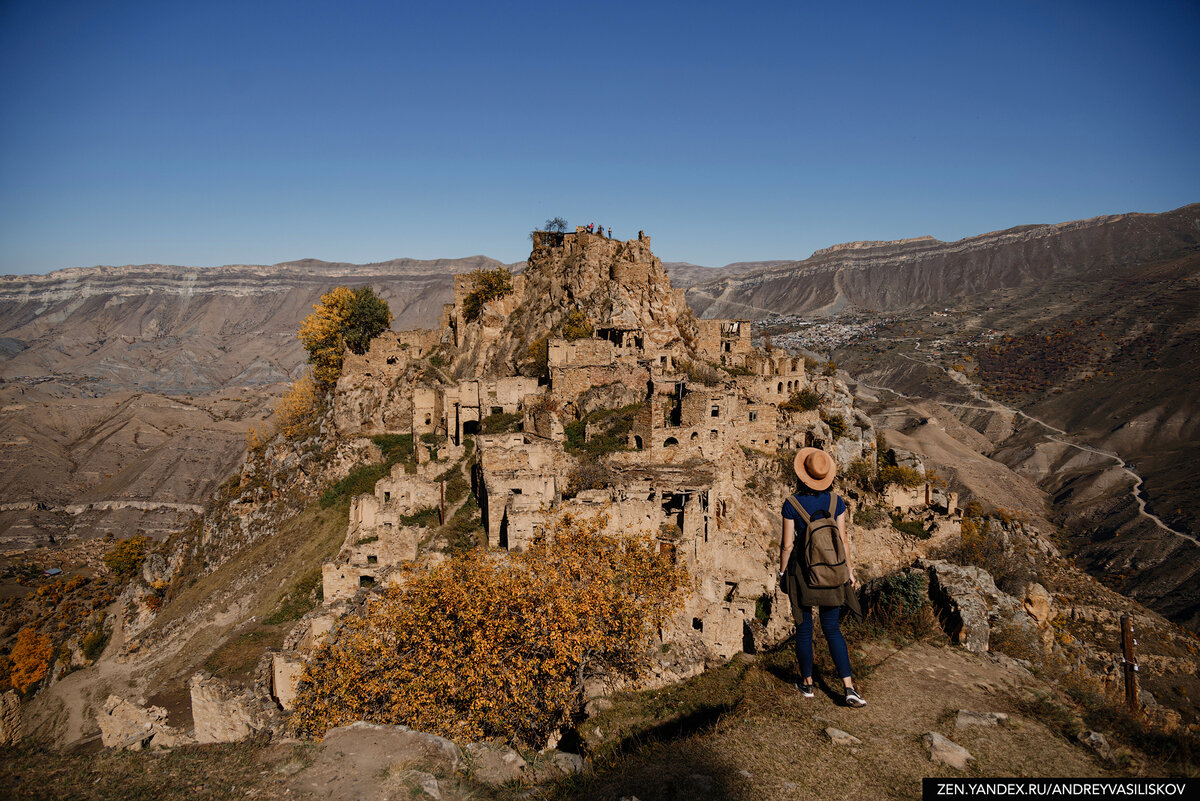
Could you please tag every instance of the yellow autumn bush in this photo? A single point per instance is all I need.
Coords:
(30, 658)
(487, 645)
(297, 412)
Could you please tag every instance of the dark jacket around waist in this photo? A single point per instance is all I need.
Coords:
(798, 591)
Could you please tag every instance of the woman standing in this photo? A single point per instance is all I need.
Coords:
(819, 572)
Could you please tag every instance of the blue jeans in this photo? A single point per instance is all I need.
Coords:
(831, 618)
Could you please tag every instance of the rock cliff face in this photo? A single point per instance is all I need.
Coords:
(914, 272)
(621, 283)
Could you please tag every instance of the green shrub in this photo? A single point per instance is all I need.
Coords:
(465, 529)
(536, 360)
(913, 528)
(762, 608)
(837, 424)
(426, 518)
(396, 448)
(614, 426)
(860, 472)
(803, 401)
(501, 423)
(95, 641)
(869, 516)
(830, 369)
(456, 485)
(360, 480)
(899, 604)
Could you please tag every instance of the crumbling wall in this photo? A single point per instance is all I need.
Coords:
(222, 714)
(398, 493)
(131, 726)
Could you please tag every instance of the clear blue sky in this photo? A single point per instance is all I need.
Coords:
(212, 132)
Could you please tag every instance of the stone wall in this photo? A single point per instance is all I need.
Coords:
(589, 352)
(285, 677)
(222, 714)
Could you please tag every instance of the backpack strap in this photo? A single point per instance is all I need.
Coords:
(833, 499)
(798, 508)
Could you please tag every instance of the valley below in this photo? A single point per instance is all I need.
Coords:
(1086, 388)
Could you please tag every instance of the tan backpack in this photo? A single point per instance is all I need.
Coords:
(823, 552)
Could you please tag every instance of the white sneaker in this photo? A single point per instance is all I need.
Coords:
(853, 698)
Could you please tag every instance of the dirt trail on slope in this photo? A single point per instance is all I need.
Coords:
(774, 745)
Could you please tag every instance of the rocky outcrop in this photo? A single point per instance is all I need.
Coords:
(495, 763)
(969, 600)
(621, 285)
(374, 762)
(12, 726)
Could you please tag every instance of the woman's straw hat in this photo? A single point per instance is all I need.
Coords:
(815, 468)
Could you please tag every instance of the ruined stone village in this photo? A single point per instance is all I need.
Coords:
(589, 342)
(702, 413)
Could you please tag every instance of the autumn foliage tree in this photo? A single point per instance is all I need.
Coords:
(345, 318)
(481, 646)
(30, 658)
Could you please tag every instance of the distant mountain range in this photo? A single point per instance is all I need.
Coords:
(909, 273)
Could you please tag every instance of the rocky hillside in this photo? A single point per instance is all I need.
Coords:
(885, 276)
(127, 391)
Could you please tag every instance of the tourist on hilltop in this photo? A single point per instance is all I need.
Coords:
(590, 227)
(610, 232)
(819, 572)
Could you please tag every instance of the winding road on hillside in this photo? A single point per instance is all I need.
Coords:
(993, 405)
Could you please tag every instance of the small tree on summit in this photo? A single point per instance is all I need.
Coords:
(555, 225)
(344, 318)
(369, 317)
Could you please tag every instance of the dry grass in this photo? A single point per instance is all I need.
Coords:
(195, 773)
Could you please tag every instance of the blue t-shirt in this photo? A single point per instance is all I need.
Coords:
(812, 502)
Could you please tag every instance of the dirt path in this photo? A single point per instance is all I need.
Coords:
(774, 744)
